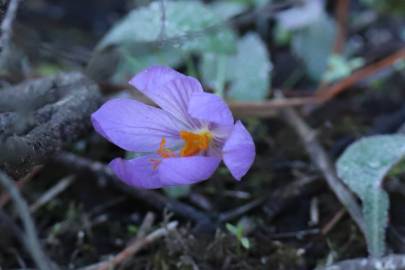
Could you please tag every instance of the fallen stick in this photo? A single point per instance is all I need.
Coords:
(39, 117)
(54, 191)
(152, 198)
(133, 248)
(392, 262)
(30, 239)
(320, 158)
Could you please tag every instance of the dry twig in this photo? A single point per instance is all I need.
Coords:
(328, 92)
(4, 198)
(54, 191)
(392, 262)
(320, 158)
(38, 117)
(151, 197)
(30, 239)
(342, 10)
(7, 24)
(134, 248)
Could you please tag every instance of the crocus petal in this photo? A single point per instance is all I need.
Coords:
(150, 80)
(169, 89)
(187, 170)
(175, 96)
(135, 126)
(239, 151)
(138, 172)
(211, 108)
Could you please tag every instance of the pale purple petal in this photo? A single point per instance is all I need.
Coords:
(211, 108)
(239, 151)
(187, 170)
(174, 98)
(169, 89)
(135, 126)
(150, 80)
(138, 172)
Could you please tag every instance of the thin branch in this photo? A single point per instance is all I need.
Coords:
(320, 158)
(271, 108)
(151, 197)
(392, 262)
(342, 10)
(328, 92)
(332, 223)
(54, 191)
(162, 33)
(268, 108)
(39, 117)
(7, 24)
(4, 198)
(241, 210)
(133, 248)
(146, 225)
(30, 239)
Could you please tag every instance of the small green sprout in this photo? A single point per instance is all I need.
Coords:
(237, 231)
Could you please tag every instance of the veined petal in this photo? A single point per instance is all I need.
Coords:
(175, 96)
(138, 172)
(187, 170)
(211, 108)
(239, 151)
(150, 80)
(135, 126)
(169, 89)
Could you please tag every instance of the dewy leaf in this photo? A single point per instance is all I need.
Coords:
(249, 70)
(188, 24)
(362, 167)
(313, 44)
(228, 9)
(130, 63)
(140, 39)
(301, 16)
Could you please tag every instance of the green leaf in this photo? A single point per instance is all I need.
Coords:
(313, 44)
(363, 167)
(245, 242)
(375, 210)
(232, 229)
(130, 62)
(340, 67)
(177, 192)
(141, 40)
(143, 27)
(228, 9)
(249, 70)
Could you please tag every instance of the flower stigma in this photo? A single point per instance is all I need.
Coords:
(194, 143)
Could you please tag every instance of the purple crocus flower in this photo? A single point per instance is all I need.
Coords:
(184, 140)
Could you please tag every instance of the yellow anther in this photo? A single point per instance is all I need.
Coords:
(194, 143)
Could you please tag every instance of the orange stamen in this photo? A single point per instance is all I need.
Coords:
(165, 152)
(195, 143)
(155, 163)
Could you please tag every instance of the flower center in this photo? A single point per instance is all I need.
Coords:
(194, 143)
(163, 151)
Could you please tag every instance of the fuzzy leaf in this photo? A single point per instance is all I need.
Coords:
(313, 44)
(228, 9)
(249, 70)
(362, 167)
(143, 27)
